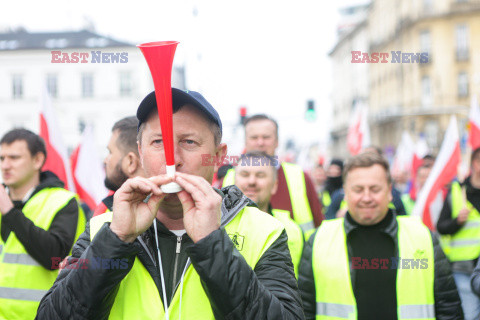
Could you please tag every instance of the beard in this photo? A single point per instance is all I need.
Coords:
(115, 181)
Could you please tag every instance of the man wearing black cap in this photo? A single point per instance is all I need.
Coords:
(209, 253)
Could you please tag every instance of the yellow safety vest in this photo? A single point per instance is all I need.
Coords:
(331, 270)
(465, 243)
(23, 281)
(252, 231)
(326, 199)
(302, 213)
(295, 236)
(408, 203)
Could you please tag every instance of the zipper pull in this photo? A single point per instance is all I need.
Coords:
(179, 244)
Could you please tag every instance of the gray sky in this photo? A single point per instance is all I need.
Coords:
(270, 56)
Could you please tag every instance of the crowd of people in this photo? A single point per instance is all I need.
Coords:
(270, 241)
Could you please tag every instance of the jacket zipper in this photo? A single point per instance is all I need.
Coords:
(177, 254)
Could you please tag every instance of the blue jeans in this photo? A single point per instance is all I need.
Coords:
(470, 301)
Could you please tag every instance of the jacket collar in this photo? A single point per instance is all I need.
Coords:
(390, 229)
(232, 203)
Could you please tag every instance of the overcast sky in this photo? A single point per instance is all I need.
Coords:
(270, 56)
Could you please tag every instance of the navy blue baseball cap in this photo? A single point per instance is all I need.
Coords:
(179, 97)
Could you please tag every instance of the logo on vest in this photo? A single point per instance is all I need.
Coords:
(237, 240)
(419, 254)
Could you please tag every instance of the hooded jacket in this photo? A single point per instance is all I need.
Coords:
(235, 290)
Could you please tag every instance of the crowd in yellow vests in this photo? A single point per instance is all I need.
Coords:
(212, 254)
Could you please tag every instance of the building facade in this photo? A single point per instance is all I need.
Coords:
(92, 79)
(432, 68)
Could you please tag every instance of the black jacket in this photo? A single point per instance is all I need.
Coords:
(447, 300)
(43, 245)
(235, 290)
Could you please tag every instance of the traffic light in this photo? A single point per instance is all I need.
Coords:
(310, 114)
(243, 114)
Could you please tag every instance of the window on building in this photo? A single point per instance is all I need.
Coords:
(427, 6)
(425, 41)
(52, 85)
(461, 34)
(17, 86)
(426, 92)
(125, 83)
(432, 132)
(462, 85)
(87, 85)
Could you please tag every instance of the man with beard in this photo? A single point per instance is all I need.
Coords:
(122, 161)
(201, 253)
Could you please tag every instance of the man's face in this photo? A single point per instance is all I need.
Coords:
(256, 182)
(368, 194)
(192, 138)
(319, 176)
(260, 135)
(334, 171)
(18, 166)
(114, 174)
(422, 175)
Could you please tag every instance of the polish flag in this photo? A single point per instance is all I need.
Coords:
(404, 155)
(88, 173)
(474, 124)
(421, 150)
(57, 159)
(358, 136)
(444, 171)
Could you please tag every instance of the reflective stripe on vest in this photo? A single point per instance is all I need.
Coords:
(23, 281)
(342, 311)
(19, 258)
(21, 294)
(331, 271)
(295, 236)
(138, 297)
(465, 243)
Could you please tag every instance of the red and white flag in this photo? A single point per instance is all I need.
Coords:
(443, 172)
(474, 124)
(404, 155)
(88, 173)
(57, 157)
(421, 150)
(358, 136)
